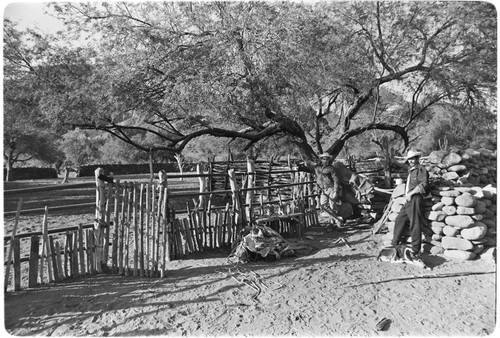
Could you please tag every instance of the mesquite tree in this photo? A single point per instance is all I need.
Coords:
(319, 74)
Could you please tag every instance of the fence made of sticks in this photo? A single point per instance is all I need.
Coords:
(140, 227)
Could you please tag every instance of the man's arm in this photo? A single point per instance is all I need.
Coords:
(423, 182)
(307, 166)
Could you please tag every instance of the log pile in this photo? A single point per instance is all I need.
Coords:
(461, 207)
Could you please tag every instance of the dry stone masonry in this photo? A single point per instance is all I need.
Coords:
(461, 206)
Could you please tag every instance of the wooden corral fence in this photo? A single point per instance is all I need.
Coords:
(139, 227)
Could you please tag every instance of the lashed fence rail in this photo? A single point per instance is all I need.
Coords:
(137, 231)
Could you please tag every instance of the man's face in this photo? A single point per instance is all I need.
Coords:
(324, 160)
(412, 161)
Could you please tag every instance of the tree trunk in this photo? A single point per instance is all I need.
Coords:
(9, 175)
(151, 171)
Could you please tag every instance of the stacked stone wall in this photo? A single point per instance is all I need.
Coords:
(461, 206)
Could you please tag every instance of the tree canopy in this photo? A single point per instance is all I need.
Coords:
(314, 74)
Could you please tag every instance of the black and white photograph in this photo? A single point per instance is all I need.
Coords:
(249, 168)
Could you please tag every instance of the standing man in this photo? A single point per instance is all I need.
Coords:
(328, 183)
(412, 214)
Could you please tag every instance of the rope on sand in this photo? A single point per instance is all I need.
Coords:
(249, 278)
(434, 275)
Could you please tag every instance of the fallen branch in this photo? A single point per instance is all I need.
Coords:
(434, 275)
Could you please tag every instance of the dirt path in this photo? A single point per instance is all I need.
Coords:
(336, 290)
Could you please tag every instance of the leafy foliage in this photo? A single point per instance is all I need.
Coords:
(320, 77)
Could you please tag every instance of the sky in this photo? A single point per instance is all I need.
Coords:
(31, 15)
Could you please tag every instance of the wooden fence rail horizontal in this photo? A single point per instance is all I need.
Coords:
(138, 231)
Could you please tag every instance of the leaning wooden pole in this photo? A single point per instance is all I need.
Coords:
(238, 213)
(46, 244)
(100, 212)
(250, 191)
(14, 230)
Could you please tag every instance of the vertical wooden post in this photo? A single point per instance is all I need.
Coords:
(153, 231)
(75, 268)
(148, 234)
(69, 238)
(80, 249)
(162, 220)
(226, 235)
(100, 204)
(90, 251)
(59, 261)
(250, 192)
(269, 180)
(210, 185)
(203, 185)
(208, 214)
(107, 227)
(17, 263)
(141, 227)
(67, 272)
(127, 231)
(238, 213)
(158, 226)
(194, 228)
(116, 228)
(136, 231)
(166, 235)
(47, 245)
(33, 261)
(121, 237)
(14, 230)
(54, 258)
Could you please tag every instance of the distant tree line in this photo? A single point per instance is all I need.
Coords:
(203, 79)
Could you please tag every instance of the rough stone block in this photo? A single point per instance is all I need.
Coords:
(489, 214)
(476, 232)
(490, 223)
(478, 248)
(460, 255)
(437, 230)
(457, 167)
(438, 206)
(451, 159)
(480, 206)
(456, 243)
(437, 243)
(463, 189)
(450, 193)
(437, 156)
(491, 232)
(450, 231)
(449, 210)
(477, 217)
(451, 175)
(459, 221)
(436, 237)
(480, 241)
(465, 211)
(438, 224)
(448, 200)
(438, 216)
(465, 200)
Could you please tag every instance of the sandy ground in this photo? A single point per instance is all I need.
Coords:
(335, 290)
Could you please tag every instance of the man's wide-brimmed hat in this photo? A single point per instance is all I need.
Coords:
(325, 155)
(413, 153)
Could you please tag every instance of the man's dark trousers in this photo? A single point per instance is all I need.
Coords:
(410, 213)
